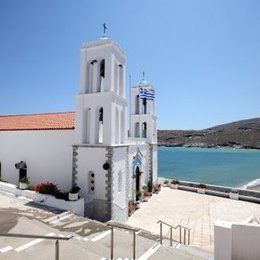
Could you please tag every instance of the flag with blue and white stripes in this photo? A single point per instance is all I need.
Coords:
(147, 94)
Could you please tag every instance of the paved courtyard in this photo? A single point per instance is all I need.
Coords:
(196, 211)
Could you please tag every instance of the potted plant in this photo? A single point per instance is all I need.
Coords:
(146, 193)
(150, 186)
(165, 183)
(138, 195)
(201, 188)
(24, 183)
(156, 188)
(74, 193)
(175, 184)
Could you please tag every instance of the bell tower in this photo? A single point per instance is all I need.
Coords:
(142, 117)
(101, 102)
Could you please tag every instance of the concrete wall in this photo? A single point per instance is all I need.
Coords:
(48, 155)
(236, 241)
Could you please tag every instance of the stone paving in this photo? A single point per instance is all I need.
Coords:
(196, 211)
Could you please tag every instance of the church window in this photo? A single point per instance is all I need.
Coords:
(144, 106)
(91, 182)
(101, 76)
(100, 125)
(121, 78)
(144, 130)
(120, 181)
(102, 68)
(137, 130)
(137, 104)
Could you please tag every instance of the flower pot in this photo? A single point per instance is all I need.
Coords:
(73, 196)
(23, 185)
(201, 191)
(233, 196)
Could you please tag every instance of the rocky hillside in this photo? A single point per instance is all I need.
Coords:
(240, 134)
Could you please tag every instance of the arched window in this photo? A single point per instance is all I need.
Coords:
(101, 76)
(144, 106)
(102, 69)
(100, 125)
(137, 104)
(121, 79)
(144, 130)
(92, 81)
(91, 182)
(137, 130)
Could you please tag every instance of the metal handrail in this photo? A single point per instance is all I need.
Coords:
(134, 230)
(57, 251)
(181, 228)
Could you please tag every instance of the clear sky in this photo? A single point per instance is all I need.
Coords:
(203, 57)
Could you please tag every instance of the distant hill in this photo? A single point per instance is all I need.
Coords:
(239, 134)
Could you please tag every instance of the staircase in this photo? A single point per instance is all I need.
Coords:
(91, 240)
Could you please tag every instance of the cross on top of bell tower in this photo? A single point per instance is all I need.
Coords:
(104, 31)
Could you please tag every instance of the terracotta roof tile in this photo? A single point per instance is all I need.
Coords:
(48, 121)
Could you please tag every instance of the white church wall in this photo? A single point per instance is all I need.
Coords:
(48, 156)
(91, 159)
(155, 163)
(120, 206)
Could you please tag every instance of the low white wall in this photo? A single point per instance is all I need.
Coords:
(236, 241)
(47, 154)
(76, 207)
(245, 241)
(222, 240)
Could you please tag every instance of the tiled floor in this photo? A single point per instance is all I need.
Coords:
(196, 211)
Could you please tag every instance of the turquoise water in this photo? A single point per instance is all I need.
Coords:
(228, 167)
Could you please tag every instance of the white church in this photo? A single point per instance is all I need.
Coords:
(91, 148)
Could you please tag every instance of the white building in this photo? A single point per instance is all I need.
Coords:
(89, 148)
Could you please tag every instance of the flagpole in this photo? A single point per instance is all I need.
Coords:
(140, 135)
(130, 105)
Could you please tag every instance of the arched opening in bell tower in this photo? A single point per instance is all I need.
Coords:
(137, 130)
(101, 76)
(144, 106)
(100, 125)
(144, 130)
(137, 99)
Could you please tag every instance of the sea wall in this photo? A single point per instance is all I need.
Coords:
(221, 191)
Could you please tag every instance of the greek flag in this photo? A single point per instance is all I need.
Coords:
(147, 94)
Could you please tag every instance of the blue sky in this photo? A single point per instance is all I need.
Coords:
(203, 57)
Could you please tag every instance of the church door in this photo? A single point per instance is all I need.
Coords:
(137, 174)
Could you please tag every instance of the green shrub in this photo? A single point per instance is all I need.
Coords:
(150, 186)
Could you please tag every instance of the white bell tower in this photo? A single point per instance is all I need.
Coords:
(101, 102)
(142, 117)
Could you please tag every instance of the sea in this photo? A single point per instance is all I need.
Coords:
(219, 166)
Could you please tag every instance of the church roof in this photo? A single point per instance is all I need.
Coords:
(48, 121)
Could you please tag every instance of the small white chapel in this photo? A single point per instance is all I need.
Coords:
(93, 147)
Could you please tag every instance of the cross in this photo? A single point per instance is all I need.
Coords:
(143, 75)
(104, 29)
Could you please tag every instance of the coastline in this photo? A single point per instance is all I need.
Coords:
(209, 146)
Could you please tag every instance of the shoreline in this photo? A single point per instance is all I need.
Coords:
(252, 186)
(209, 147)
